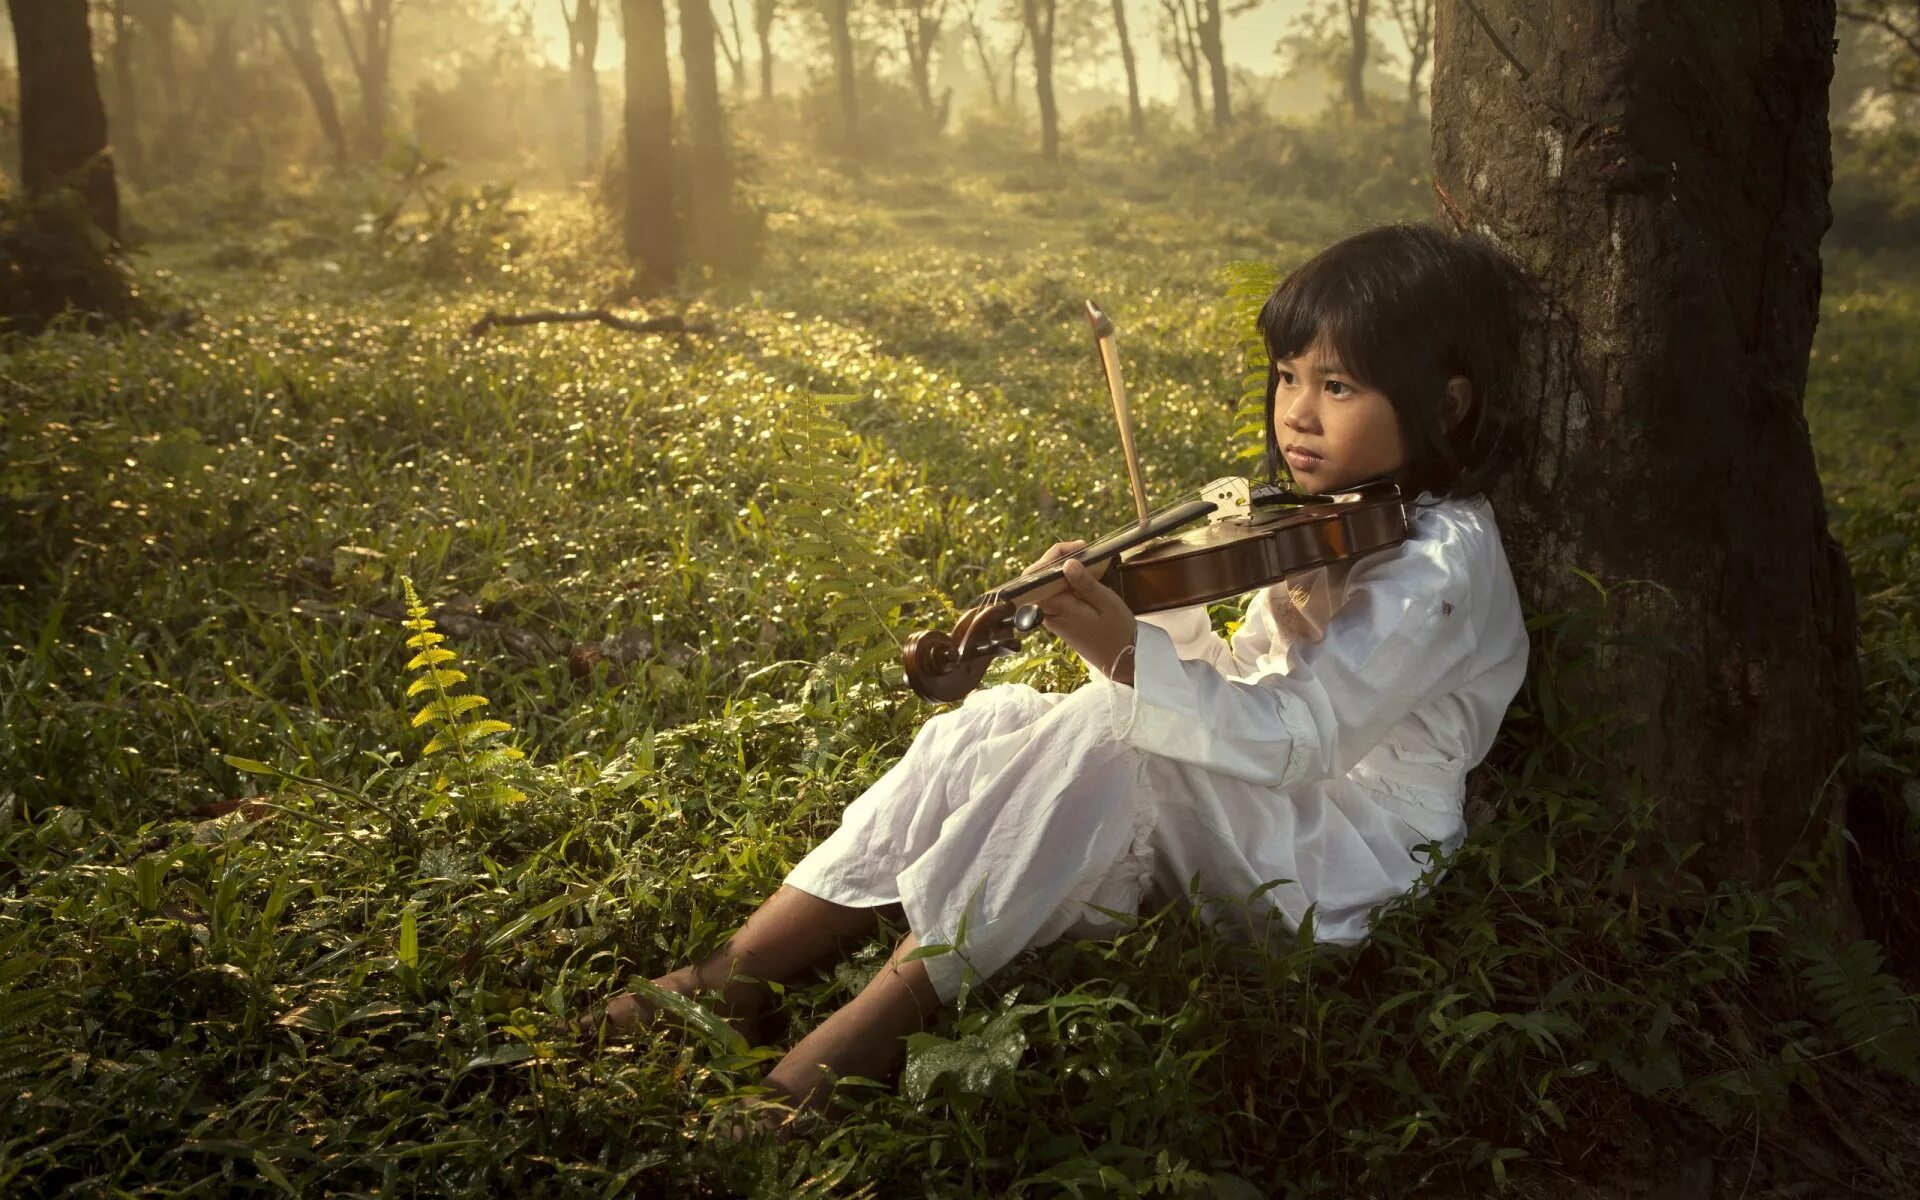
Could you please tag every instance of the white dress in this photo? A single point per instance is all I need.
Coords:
(1323, 747)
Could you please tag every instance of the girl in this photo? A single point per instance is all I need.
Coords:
(1325, 746)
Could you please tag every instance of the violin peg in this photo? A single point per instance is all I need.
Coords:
(1027, 618)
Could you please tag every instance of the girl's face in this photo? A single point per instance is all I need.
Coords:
(1333, 431)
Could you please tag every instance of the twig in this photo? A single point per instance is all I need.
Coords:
(1499, 45)
(668, 324)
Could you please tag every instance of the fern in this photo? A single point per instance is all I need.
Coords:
(472, 741)
(1870, 1010)
(1248, 286)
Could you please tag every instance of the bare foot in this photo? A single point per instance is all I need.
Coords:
(628, 1016)
(774, 1115)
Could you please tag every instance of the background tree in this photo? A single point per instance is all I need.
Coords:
(1661, 438)
(839, 18)
(371, 52)
(652, 235)
(1896, 26)
(583, 47)
(63, 123)
(1356, 11)
(764, 12)
(709, 169)
(292, 24)
(733, 47)
(1415, 19)
(1208, 33)
(1136, 117)
(126, 124)
(1038, 18)
(976, 34)
(1180, 37)
(918, 24)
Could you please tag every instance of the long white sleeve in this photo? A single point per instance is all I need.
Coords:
(1193, 636)
(1403, 636)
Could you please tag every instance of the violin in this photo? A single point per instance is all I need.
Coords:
(1254, 534)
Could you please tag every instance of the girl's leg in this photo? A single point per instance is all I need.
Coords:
(788, 933)
(867, 1036)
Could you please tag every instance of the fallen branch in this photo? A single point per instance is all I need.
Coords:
(668, 324)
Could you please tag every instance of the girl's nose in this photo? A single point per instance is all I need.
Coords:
(1300, 417)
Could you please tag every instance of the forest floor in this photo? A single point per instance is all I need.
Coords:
(253, 939)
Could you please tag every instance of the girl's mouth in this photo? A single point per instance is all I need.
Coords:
(1300, 460)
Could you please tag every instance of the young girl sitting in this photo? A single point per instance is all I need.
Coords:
(1326, 745)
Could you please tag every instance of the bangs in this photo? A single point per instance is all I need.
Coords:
(1327, 299)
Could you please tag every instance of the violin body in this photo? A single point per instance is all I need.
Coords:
(1253, 536)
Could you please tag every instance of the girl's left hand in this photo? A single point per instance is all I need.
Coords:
(1090, 617)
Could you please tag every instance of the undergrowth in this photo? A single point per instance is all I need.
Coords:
(282, 911)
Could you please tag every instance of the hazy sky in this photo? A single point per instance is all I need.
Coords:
(1250, 40)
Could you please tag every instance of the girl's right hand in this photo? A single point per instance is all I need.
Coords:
(1059, 551)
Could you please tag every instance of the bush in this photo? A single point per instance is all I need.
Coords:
(54, 260)
(1876, 189)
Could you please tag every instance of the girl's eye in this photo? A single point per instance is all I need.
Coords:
(1335, 383)
(1286, 377)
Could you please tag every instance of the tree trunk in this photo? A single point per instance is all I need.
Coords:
(1136, 118)
(735, 48)
(165, 15)
(583, 47)
(1185, 43)
(653, 241)
(295, 32)
(986, 60)
(372, 56)
(126, 134)
(1039, 21)
(1662, 169)
(839, 22)
(711, 175)
(1213, 48)
(1357, 57)
(763, 13)
(1417, 63)
(63, 124)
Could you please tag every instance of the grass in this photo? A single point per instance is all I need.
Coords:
(675, 574)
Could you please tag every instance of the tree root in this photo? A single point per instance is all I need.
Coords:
(668, 324)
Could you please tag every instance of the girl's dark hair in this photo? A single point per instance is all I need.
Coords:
(1405, 308)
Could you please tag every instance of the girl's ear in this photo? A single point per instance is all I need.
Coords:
(1459, 400)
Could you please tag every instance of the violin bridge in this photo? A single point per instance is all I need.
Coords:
(1229, 497)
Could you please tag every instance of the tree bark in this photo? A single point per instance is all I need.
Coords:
(583, 47)
(840, 26)
(1136, 117)
(1357, 56)
(1662, 170)
(293, 26)
(1213, 47)
(652, 238)
(763, 14)
(1038, 16)
(711, 174)
(63, 124)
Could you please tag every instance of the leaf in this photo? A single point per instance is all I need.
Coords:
(446, 708)
(409, 939)
(440, 677)
(433, 656)
(500, 1056)
(977, 1061)
(252, 766)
